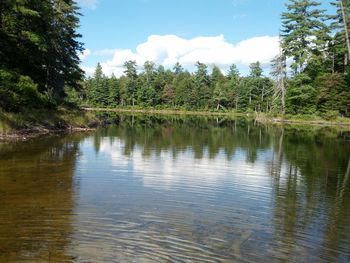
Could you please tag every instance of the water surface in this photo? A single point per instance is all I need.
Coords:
(173, 189)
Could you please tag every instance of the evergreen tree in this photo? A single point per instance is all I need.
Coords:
(233, 73)
(131, 81)
(178, 69)
(114, 91)
(202, 85)
(99, 94)
(184, 85)
(304, 32)
(218, 88)
(301, 96)
(38, 39)
(234, 91)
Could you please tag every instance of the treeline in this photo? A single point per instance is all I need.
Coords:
(38, 52)
(310, 75)
(176, 88)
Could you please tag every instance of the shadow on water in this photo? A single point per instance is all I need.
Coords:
(178, 189)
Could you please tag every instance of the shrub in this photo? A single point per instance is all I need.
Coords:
(19, 92)
(330, 115)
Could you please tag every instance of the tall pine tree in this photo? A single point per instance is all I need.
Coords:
(304, 32)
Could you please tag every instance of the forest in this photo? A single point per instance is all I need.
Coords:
(39, 67)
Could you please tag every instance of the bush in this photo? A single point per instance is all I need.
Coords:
(19, 92)
(330, 115)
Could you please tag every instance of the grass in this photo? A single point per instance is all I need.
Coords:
(303, 119)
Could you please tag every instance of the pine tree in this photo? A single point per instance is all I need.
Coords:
(304, 32)
(217, 81)
(99, 93)
(178, 69)
(131, 81)
(114, 91)
(38, 39)
(202, 83)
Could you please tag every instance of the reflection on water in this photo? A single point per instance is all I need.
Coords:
(178, 190)
(36, 199)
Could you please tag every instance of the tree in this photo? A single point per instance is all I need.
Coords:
(219, 95)
(254, 83)
(279, 73)
(99, 91)
(301, 96)
(62, 62)
(217, 81)
(114, 91)
(131, 81)
(341, 23)
(233, 73)
(202, 83)
(333, 93)
(233, 86)
(255, 70)
(169, 95)
(178, 69)
(184, 85)
(38, 39)
(258, 88)
(304, 32)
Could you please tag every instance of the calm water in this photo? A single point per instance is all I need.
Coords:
(177, 190)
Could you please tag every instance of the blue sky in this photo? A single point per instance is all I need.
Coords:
(217, 31)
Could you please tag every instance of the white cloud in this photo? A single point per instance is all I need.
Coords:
(89, 71)
(83, 55)
(166, 50)
(163, 171)
(105, 52)
(88, 3)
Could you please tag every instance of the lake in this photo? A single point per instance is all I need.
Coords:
(177, 189)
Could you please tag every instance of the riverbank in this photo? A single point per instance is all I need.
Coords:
(34, 123)
(30, 124)
(259, 117)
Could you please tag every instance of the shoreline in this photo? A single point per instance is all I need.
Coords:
(259, 117)
(31, 133)
(66, 121)
(32, 124)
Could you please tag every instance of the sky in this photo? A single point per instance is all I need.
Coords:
(215, 32)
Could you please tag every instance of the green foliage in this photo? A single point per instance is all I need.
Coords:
(19, 92)
(301, 96)
(39, 49)
(318, 84)
(304, 32)
(330, 115)
(320, 58)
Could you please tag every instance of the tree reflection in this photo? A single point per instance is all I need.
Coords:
(37, 199)
(311, 194)
(308, 166)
